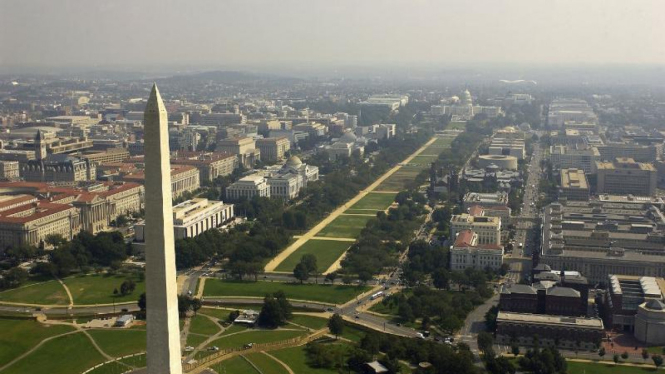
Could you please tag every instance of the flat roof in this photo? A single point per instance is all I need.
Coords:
(544, 319)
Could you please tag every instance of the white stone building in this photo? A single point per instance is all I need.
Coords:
(466, 252)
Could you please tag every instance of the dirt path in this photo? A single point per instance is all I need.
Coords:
(69, 294)
(272, 265)
(202, 286)
(279, 361)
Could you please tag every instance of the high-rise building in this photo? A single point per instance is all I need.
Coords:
(625, 176)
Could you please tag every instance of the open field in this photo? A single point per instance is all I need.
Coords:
(45, 293)
(98, 289)
(19, 336)
(235, 365)
(456, 126)
(377, 201)
(220, 314)
(337, 294)
(296, 359)
(64, 355)
(423, 160)
(203, 325)
(312, 322)
(120, 342)
(256, 337)
(266, 364)
(397, 181)
(326, 252)
(345, 227)
(195, 340)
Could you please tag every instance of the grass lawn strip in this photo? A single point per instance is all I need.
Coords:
(296, 359)
(345, 227)
(326, 252)
(19, 336)
(45, 293)
(67, 354)
(119, 342)
(98, 289)
(235, 365)
(203, 325)
(312, 322)
(266, 364)
(256, 337)
(220, 314)
(194, 340)
(334, 294)
(378, 201)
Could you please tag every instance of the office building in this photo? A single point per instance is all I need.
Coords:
(31, 224)
(625, 176)
(248, 187)
(9, 170)
(488, 229)
(466, 252)
(597, 238)
(485, 199)
(273, 149)
(209, 164)
(638, 152)
(574, 156)
(624, 295)
(573, 185)
(244, 148)
(193, 217)
(552, 331)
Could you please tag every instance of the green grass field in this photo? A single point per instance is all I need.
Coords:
(593, 368)
(110, 368)
(352, 333)
(220, 314)
(203, 325)
(377, 201)
(397, 181)
(195, 340)
(45, 293)
(256, 337)
(326, 252)
(68, 354)
(121, 342)
(337, 294)
(456, 126)
(98, 289)
(296, 359)
(423, 161)
(345, 227)
(19, 336)
(266, 364)
(235, 365)
(312, 322)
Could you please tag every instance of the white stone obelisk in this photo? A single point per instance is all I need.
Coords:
(161, 290)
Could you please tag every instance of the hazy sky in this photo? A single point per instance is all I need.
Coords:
(329, 32)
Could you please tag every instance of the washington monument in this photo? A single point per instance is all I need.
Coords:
(162, 296)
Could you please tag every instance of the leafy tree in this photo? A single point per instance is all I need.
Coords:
(615, 358)
(233, 315)
(142, 302)
(601, 352)
(196, 305)
(485, 342)
(624, 355)
(370, 343)
(657, 360)
(128, 286)
(645, 354)
(336, 325)
(330, 277)
(275, 312)
(300, 272)
(515, 349)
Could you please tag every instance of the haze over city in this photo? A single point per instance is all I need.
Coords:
(234, 34)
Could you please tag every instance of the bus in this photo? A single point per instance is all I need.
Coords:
(376, 295)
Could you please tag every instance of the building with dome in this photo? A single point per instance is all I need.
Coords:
(462, 109)
(284, 181)
(346, 145)
(650, 322)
